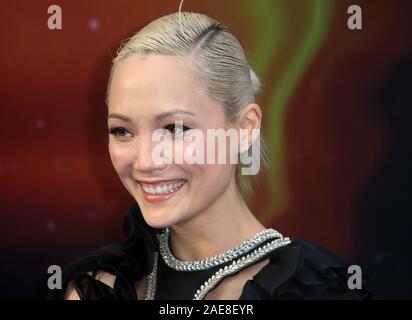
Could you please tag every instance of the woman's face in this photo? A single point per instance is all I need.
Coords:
(144, 95)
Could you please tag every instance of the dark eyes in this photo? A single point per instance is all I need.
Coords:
(123, 132)
(119, 132)
(176, 128)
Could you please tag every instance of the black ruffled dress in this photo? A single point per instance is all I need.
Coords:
(300, 270)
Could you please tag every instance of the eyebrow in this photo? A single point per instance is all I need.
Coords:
(158, 117)
(120, 116)
(173, 112)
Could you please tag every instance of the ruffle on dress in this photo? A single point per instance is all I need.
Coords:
(303, 271)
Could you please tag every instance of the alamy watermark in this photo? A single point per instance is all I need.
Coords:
(195, 147)
(355, 278)
(55, 280)
(355, 19)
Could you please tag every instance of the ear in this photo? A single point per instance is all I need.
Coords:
(250, 120)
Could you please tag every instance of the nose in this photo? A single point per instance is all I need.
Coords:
(147, 156)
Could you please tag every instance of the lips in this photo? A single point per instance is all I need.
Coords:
(163, 187)
(155, 191)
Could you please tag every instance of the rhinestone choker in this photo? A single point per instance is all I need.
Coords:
(243, 255)
(239, 250)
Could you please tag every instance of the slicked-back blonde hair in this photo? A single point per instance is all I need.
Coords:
(213, 53)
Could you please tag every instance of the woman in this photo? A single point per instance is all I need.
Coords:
(192, 236)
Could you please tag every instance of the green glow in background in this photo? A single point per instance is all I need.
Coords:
(271, 21)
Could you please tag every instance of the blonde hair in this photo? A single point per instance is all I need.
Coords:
(215, 55)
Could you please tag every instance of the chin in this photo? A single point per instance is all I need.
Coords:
(158, 220)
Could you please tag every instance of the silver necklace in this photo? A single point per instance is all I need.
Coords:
(219, 275)
(239, 250)
(237, 265)
(151, 280)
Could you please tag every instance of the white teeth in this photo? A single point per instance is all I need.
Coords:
(163, 189)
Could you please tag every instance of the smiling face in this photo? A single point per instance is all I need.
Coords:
(145, 93)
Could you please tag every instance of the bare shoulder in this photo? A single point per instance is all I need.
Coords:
(71, 293)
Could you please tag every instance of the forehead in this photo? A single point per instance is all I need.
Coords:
(156, 83)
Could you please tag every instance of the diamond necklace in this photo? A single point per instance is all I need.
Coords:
(242, 248)
(219, 275)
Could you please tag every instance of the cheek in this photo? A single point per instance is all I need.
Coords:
(121, 159)
(210, 179)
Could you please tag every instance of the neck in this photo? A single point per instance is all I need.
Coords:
(222, 226)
